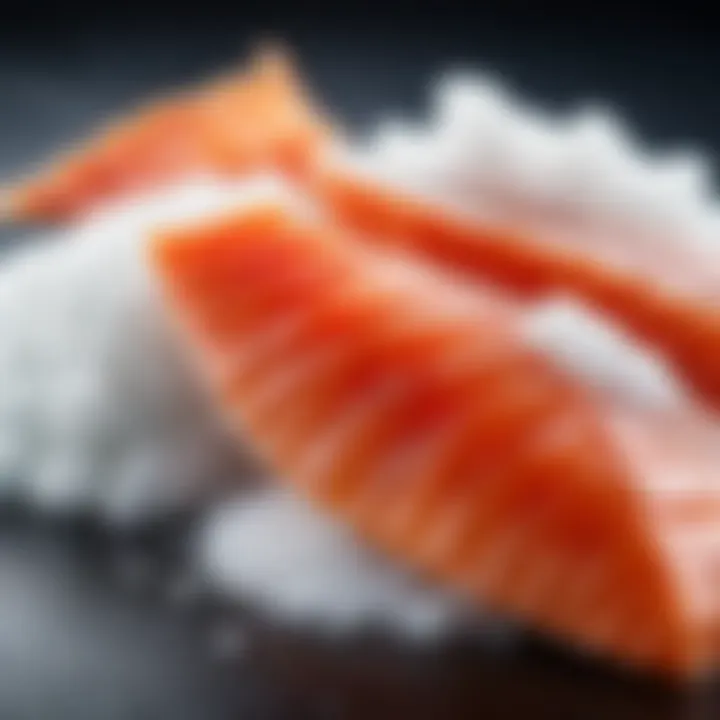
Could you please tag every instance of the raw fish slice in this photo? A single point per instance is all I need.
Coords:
(415, 410)
(253, 118)
(663, 292)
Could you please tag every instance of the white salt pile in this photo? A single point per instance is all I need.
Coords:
(97, 408)
(277, 553)
(484, 153)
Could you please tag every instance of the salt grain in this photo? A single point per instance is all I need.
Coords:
(228, 641)
(185, 590)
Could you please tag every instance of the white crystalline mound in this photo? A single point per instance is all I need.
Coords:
(484, 152)
(97, 408)
(278, 554)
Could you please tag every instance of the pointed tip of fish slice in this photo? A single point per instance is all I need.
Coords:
(273, 58)
(257, 116)
(269, 62)
(14, 206)
(7, 203)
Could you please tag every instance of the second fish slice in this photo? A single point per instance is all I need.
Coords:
(416, 411)
(663, 290)
(259, 117)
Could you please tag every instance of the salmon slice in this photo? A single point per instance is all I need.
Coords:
(412, 408)
(662, 292)
(257, 117)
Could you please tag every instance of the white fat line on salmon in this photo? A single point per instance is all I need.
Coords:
(195, 199)
(598, 353)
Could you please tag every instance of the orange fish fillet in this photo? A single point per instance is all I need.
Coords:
(242, 122)
(414, 410)
(659, 291)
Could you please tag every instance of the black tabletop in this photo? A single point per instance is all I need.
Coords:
(76, 640)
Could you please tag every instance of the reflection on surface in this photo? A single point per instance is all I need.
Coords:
(528, 680)
(76, 644)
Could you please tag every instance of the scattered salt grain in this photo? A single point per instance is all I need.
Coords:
(228, 640)
(134, 572)
(184, 590)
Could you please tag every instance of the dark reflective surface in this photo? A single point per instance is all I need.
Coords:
(78, 643)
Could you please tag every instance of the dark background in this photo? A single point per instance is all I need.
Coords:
(62, 65)
(73, 643)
